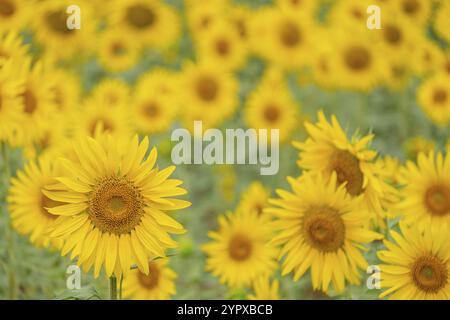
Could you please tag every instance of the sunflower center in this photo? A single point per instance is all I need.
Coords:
(151, 280)
(223, 47)
(7, 8)
(118, 49)
(290, 34)
(30, 101)
(57, 21)
(271, 113)
(410, 6)
(151, 110)
(207, 88)
(140, 16)
(324, 229)
(240, 247)
(393, 34)
(47, 203)
(437, 199)
(357, 58)
(440, 96)
(357, 13)
(348, 171)
(429, 273)
(116, 206)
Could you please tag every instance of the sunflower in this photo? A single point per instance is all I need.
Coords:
(201, 17)
(357, 62)
(28, 205)
(441, 22)
(96, 114)
(425, 196)
(323, 228)
(11, 117)
(303, 6)
(50, 26)
(328, 151)
(158, 284)
(117, 52)
(209, 94)
(113, 92)
(222, 46)
(254, 199)
(417, 265)
(417, 11)
(283, 37)
(66, 89)
(239, 17)
(416, 145)
(114, 203)
(265, 290)
(238, 255)
(38, 101)
(154, 103)
(12, 48)
(271, 106)
(426, 57)
(351, 14)
(14, 14)
(433, 96)
(149, 22)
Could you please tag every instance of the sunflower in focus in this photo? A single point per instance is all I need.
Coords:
(207, 93)
(322, 228)
(433, 96)
(150, 22)
(328, 151)
(271, 106)
(425, 196)
(28, 204)
(254, 199)
(265, 290)
(158, 284)
(237, 254)
(117, 52)
(114, 205)
(416, 266)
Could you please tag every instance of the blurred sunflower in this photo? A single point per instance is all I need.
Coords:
(114, 203)
(426, 57)
(271, 106)
(237, 254)
(158, 284)
(321, 227)
(12, 48)
(208, 93)
(149, 22)
(351, 14)
(201, 17)
(222, 46)
(255, 198)
(417, 11)
(239, 17)
(66, 90)
(265, 290)
(117, 52)
(433, 96)
(112, 91)
(417, 266)
(14, 14)
(425, 196)
(28, 205)
(328, 151)
(416, 145)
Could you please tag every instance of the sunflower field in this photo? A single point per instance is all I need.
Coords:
(93, 206)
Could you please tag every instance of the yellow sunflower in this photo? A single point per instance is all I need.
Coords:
(271, 106)
(111, 91)
(12, 48)
(207, 93)
(14, 14)
(426, 57)
(11, 117)
(237, 254)
(155, 105)
(50, 27)
(158, 284)
(416, 266)
(150, 22)
(222, 46)
(433, 96)
(117, 52)
(322, 228)
(425, 196)
(114, 204)
(328, 151)
(28, 205)
(265, 290)
(283, 37)
(255, 198)
(416, 145)
(417, 11)
(200, 17)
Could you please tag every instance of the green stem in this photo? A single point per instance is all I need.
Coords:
(113, 288)
(120, 287)
(8, 230)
